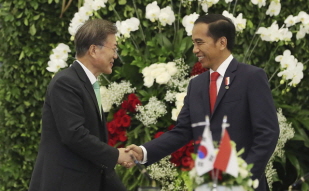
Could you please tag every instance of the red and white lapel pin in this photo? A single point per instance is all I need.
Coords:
(227, 82)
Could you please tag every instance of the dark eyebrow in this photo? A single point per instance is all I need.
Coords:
(197, 40)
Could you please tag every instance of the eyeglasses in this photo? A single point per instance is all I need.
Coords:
(114, 49)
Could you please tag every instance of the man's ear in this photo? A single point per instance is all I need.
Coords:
(92, 49)
(222, 42)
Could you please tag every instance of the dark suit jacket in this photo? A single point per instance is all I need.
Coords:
(250, 109)
(73, 154)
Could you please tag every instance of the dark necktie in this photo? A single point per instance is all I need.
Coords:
(213, 90)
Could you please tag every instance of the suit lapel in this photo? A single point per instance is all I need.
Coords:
(82, 75)
(205, 92)
(230, 72)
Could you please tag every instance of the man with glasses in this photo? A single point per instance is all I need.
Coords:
(73, 153)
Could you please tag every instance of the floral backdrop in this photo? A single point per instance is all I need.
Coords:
(145, 92)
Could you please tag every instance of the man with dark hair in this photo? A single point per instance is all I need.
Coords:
(242, 93)
(73, 153)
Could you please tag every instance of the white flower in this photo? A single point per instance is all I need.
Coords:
(55, 64)
(175, 113)
(171, 68)
(107, 105)
(255, 183)
(260, 3)
(228, 1)
(149, 113)
(273, 33)
(301, 33)
(152, 11)
(291, 68)
(290, 20)
(205, 7)
(127, 26)
(188, 22)
(302, 17)
(148, 81)
(166, 16)
(163, 78)
(274, 8)
(114, 94)
(240, 23)
(157, 71)
(98, 4)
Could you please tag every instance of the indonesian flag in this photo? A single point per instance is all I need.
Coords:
(226, 159)
(204, 161)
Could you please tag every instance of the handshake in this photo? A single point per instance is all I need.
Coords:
(130, 155)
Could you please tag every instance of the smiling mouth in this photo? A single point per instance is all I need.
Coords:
(200, 58)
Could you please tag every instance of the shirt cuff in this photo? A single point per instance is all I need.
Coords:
(145, 155)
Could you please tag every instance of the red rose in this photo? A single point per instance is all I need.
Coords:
(120, 113)
(186, 161)
(112, 141)
(133, 104)
(111, 127)
(189, 150)
(125, 105)
(132, 97)
(175, 161)
(117, 122)
(158, 134)
(123, 136)
(126, 121)
(171, 127)
(197, 69)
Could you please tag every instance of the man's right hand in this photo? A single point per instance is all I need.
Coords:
(137, 151)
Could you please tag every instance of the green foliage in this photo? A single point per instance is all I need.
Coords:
(30, 29)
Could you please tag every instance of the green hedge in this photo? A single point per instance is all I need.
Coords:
(30, 29)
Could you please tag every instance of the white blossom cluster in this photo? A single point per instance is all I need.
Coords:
(291, 69)
(165, 15)
(149, 113)
(58, 58)
(114, 94)
(286, 133)
(159, 72)
(188, 22)
(84, 13)
(127, 26)
(165, 172)
(302, 18)
(239, 22)
(274, 33)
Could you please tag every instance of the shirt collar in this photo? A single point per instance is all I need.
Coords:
(89, 74)
(222, 68)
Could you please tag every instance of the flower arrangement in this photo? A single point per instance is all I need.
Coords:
(144, 95)
(243, 181)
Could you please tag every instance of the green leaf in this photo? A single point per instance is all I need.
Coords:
(32, 30)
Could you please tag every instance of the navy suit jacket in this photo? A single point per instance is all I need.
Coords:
(250, 110)
(73, 154)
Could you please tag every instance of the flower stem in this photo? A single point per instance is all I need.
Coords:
(234, 7)
(244, 60)
(273, 74)
(141, 27)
